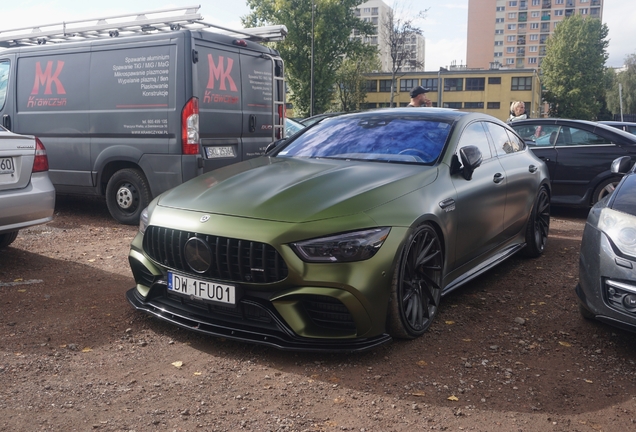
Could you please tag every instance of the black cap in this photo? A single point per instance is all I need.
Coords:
(419, 90)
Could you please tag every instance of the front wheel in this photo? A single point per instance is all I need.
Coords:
(7, 238)
(605, 188)
(127, 194)
(416, 290)
(538, 225)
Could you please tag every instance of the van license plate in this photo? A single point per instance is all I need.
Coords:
(201, 289)
(7, 166)
(220, 152)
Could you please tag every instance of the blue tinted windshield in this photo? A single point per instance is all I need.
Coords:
(385, 138)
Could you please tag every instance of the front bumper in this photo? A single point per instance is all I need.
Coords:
(607, 281)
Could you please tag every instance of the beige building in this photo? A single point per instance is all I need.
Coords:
(487, 91)
(513, 33)
(375, 12)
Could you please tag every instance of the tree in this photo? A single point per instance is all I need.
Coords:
(397, 32)
(627, 79)
(574, 66)
(333, 22)
(351, 84)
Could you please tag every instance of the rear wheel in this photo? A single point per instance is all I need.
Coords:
(538, 226)
(605, 188)
(127, 194)
(416, 290)
(7, 238)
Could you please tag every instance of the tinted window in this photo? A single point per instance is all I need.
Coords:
(582, 137)
(504, 143)
(475, 135)
(539, 135)
(4, 79)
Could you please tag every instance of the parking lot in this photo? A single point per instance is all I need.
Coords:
(507, 352)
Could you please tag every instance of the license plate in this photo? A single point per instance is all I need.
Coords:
(201, 289)
(220, 152)
(6, 166)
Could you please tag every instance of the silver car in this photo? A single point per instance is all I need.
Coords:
(607, 268)
(27, 196)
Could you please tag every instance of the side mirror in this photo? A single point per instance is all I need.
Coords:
(271, 146)
(621, 165)
(471, 159)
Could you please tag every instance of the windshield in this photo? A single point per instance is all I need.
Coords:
(381, 138)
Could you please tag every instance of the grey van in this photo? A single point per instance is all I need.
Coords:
(130, 116)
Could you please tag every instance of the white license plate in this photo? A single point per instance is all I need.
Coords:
(220, 152)
(7, 166)
(201, 289)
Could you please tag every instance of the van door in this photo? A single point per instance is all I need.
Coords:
(6, 92)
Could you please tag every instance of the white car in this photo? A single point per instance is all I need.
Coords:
(27, 196)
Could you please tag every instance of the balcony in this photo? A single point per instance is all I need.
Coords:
(596, 2)
(569, 12)
(547, 4)
(545, 17)
(521, 53)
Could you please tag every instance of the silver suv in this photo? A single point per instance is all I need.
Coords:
(27, 196)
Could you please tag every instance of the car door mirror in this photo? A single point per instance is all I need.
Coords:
(471, 159)
(271, 146)
(621, 165)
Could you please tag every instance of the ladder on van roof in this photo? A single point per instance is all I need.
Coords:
(131, 24)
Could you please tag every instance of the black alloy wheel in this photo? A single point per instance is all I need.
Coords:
(538, 225)
(416, 290)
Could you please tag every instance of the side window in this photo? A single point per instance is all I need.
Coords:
(4, 81)
(505, 143)
(475, 135)
(539, 135)
(581, 137)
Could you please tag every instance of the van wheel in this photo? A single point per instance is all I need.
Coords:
(127, 194)
(7, 238)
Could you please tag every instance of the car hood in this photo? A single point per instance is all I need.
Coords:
(297, 190)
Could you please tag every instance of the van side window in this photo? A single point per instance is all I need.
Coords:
(4, 79)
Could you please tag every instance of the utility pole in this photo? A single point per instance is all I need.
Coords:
(311, 95)
(620, 98)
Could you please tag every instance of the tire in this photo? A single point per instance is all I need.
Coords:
(538, 226)
(127, 194)
(604, 188)
(416, 289)
(7, 238)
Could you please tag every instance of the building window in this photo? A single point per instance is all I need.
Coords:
(499, 20)
(534, 37)
(510, 50)
(558, 12)
(534, 48)
(512, 3)
(558, 1)
(453, 84)
(498, 32)
(430, 83)
(512, 26)
(536, 2)
(535, 14)
(498, 54)
(475, 84)
(385, 85)
(474, 105)
(406, 85)
(534, 26)
(501, 8)
(374, 11)
(494, 80)
(370, 105)
(532, 60)
(521, 83)
(510, 61)
(493, 105)
(498, 43)
(372, 86)
(456, 105)
(511, 38)
(583, 11)
(512, 15)
(367, 10)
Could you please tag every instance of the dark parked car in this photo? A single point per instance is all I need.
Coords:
(346, 234)
(607, 266)
(27, 196)
(626, 126)
(579, 155)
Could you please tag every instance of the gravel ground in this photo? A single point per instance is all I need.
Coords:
(508, 352)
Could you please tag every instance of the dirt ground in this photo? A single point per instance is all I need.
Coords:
(509, 352)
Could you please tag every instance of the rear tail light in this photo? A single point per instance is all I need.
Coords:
(41, 162)
(190, 127)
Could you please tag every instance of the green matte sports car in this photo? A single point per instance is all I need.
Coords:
(344, 235)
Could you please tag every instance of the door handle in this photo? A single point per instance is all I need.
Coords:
(543, 158)
(532, 168)
(6, 121)
(252, 123)
(498, 178)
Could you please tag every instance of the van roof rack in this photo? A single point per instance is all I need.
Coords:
(131, 24)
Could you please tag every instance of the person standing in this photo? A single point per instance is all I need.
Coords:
(418, 97)
(517, 111)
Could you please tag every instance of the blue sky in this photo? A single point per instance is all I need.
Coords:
(444, 27)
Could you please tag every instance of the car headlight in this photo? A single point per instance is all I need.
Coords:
(346, 247)
(143, 220)
(620, 228)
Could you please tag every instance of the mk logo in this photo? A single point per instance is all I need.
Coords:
(218, 73)
(47, 78)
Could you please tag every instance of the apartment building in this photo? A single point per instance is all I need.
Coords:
(375, 12)
(487, 91)
(513, 33)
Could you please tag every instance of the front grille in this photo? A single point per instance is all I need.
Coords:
(233, 260)
(328, 312)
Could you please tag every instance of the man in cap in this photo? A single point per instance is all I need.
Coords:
(418, 97)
